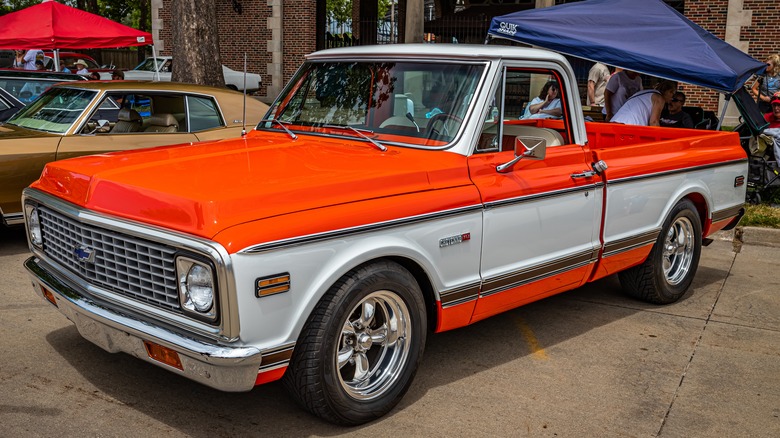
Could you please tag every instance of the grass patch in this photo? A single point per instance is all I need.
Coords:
(761, 216)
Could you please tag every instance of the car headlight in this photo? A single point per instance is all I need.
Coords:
(34, 226)
(196, 287)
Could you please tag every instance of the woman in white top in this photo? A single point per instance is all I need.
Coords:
(644, 108)
(546, 105)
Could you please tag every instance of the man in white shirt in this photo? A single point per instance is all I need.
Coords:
(621, 86)
(30, 57)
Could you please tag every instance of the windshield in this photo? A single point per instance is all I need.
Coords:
(149, 64)
(26, 89)
(413, 103)
(54, 111)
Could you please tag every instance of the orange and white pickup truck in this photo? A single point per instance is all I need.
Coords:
(390, 192)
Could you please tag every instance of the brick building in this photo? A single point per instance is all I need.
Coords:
(276, 34)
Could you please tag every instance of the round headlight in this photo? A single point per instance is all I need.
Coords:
(200, 288)
(34, 226)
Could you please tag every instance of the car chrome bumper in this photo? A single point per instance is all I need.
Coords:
(222, 367)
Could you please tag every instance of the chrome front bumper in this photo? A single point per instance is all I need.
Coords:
(222, 367)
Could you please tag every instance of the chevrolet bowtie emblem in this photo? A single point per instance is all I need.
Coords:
(85, 254)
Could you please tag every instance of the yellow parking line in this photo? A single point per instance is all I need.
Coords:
(536, 350)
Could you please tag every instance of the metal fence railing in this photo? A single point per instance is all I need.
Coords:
(442, 30)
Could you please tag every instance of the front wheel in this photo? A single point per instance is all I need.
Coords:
(669, 269)
(360, 348)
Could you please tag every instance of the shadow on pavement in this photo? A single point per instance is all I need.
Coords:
(197, 410)
(12, 240)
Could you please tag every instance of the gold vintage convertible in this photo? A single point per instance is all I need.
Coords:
(85, 118)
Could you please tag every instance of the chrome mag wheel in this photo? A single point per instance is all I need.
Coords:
(373, 346)
(678, 250)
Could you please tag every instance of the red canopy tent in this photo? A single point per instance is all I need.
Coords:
(52, 25)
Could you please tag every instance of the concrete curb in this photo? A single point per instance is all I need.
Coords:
(751, 236)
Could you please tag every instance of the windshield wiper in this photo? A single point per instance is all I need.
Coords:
(360, 132)
(281, 123)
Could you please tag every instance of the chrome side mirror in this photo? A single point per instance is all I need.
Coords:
(531, 147)
(534, 148)
(103, 126)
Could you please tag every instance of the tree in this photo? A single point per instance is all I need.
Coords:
(196, 43)
(339, 11)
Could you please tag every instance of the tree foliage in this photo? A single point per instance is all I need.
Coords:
(133, 13)
(340, 11)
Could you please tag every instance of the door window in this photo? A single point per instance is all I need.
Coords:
(524, 100)
(203, 114)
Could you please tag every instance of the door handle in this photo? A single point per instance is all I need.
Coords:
(584, 174)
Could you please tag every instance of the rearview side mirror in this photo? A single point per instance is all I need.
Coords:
(534, 148)
(103, 126)
(531, 147)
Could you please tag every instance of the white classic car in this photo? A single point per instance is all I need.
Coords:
(163, 64)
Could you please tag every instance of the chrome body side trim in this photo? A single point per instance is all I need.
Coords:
(538, 272)
(347, 232)
(631, 242)
(460, 295)
(12, 218)
(727, 213)
(675, 171)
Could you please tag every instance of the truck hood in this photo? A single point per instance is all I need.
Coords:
(204, 188)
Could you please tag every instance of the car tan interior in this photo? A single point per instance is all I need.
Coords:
(526, 133)
(162, 122)
(128, 120)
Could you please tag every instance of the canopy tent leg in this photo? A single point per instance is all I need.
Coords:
(156, 68)
(56, 59)
(723, 112)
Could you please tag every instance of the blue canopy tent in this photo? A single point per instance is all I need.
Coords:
(647, 36)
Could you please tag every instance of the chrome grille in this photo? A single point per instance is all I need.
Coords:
(123, 264)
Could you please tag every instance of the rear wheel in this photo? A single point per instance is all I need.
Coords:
(360, 348)
(669, 269)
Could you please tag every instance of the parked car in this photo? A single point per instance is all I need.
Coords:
(93, 117)
(26, 85)
(392, 191)
(70, 59)
(164, 65)
(9, 105)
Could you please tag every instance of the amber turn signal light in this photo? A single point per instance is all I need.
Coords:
(272, 285)
(163, 354)
(49, 296)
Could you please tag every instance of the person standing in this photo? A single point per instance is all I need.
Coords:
(598, 76)
(674, 116)
(30, 57)
(768, 85)
(773, 130)
(621, 86)
(19, 59)
(644, 108)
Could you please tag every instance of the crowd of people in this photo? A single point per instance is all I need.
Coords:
(33, 59)
(621, 95)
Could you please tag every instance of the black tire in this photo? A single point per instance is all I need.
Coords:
(669, 269)
(343, 368)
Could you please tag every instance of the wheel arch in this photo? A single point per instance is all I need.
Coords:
(702, 208)
(426, 286)
(419, 274)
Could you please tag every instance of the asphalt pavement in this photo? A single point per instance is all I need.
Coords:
(587, 363)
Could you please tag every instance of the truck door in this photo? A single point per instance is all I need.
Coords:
(541, 216)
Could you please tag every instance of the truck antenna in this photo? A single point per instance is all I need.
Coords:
(243, 119)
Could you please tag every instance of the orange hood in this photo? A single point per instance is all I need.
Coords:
(205, 188)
